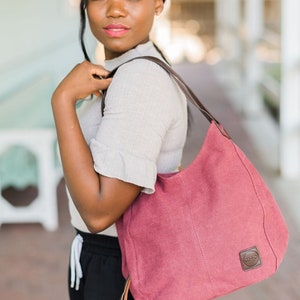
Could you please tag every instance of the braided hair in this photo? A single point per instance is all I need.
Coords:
(83, 5)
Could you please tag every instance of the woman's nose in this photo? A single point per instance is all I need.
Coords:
(116, 9)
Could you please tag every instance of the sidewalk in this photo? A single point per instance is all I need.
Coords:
(33, 262)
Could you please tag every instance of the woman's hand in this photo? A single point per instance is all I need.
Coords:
(81, 82)
(100, 200)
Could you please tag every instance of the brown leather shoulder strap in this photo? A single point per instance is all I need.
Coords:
(184, 87)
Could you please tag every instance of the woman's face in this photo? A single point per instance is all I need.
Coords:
(121, 25)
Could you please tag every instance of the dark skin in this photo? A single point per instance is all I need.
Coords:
(119, 25)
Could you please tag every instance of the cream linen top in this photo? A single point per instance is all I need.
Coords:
(143, 130)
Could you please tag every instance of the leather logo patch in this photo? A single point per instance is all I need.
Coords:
(250, 259)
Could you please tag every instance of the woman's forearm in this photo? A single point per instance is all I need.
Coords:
(82, 181)
(100, 200)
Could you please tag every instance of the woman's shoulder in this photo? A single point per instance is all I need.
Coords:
(145, 85)
(146, 75)
(141, 64)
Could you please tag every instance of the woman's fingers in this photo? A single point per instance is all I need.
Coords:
(84, 80)
(101, 84)
(97, 71)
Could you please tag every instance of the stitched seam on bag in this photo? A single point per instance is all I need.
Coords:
(132, 241)
(199, 243)
(260, 202)
(138, 283)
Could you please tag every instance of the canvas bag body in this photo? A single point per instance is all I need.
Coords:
(185, 240)
(208, 230)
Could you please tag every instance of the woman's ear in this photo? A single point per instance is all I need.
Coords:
(159, 6)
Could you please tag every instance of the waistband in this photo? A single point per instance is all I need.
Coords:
(93, 243)
(100, 244)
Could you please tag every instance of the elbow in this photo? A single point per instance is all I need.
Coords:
(96, 225)
(94, 228)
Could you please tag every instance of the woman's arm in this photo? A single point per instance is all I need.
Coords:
(100, 200)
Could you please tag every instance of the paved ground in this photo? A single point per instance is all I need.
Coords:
(33, 262)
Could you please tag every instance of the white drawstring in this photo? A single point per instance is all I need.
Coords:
(75, 267)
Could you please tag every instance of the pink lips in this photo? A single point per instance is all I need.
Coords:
(116, 30)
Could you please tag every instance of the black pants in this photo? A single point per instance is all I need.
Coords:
(101, 266)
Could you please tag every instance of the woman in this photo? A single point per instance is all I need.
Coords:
(109, 159)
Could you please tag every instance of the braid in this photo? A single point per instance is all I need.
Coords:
(161, 53)
(83, 4)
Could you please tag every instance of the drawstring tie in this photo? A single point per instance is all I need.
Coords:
(75, 267)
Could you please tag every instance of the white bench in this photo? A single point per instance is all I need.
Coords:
(26, 121)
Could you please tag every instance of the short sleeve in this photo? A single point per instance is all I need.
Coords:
(138, 113)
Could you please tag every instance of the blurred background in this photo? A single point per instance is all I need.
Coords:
(240, 56)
